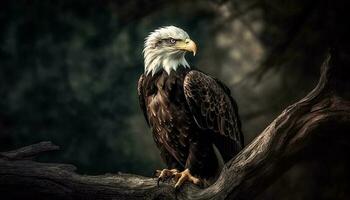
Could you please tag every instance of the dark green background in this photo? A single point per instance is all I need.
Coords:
(69, 69)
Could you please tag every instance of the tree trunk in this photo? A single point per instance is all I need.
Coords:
(320, 122)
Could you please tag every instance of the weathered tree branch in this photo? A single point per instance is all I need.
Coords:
(29, 152)
(290, 138)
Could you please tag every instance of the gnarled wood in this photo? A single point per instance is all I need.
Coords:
(288, 139)
(29, 152)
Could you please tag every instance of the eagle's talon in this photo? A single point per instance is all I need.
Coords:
(158, 182)
(165, 174)
(183, 176)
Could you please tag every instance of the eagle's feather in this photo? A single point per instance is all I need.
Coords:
(213, 107)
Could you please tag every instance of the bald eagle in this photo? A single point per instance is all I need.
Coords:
(193, 117)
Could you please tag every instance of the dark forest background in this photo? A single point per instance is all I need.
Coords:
(69, 69)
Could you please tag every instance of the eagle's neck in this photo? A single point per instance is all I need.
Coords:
(156, 59)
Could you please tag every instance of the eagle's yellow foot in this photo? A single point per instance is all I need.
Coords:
(181, 177)
(165, 174)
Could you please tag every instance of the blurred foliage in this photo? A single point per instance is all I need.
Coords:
(69, 69)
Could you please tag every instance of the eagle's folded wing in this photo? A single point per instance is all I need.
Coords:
(212, 106)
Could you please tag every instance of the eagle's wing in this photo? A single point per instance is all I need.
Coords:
(213, 107)
(140, 93)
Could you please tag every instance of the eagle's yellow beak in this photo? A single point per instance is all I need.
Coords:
(187, 45)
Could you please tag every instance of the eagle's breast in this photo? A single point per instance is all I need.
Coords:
(168, 113)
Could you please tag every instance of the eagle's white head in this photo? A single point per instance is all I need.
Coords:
(165, 48)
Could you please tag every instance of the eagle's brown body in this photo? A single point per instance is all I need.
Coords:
(189, 112)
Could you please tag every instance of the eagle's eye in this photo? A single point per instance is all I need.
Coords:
(172, 40)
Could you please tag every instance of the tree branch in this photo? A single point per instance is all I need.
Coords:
(287, 140)
(29, 152)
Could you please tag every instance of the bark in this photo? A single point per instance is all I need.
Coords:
(300, 130)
